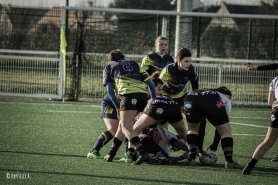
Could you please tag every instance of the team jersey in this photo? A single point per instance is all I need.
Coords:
(273, 86)
(175, 80)
(162, 137)
(127, 77)
(155, 62)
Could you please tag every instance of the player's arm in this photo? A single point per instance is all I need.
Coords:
(250, 67)
(146, 63)
(112, 96)
(271, 98)
(194, 78)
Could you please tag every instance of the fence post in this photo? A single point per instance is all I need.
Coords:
(274, 40)
(219, 75)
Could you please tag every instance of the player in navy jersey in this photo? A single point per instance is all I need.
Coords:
(125, 78)
(109, 116)
(157, 60)
(267, 67)
(215, 105)
(272, 133)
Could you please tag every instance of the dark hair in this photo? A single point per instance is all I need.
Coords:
(223, 90)
(155, 78)
(183, 53)
(116, 55)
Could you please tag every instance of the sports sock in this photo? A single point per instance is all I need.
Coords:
(216, 140)
(137, 145)
(253, 162)
(126, 144)
(202, 133)
(227, 146)
(192, 140)
(115, 146)
(103, 139)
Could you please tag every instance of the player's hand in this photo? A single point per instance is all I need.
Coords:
(250, 67)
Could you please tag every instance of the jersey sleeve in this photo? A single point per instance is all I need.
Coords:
(143, 74)
(107, 76)
(146, 62)
(194, 78)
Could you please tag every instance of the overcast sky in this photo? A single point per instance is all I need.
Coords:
(50, 3)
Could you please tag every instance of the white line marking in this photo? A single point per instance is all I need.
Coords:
(248, 118)
(249, 125)
(246, 135)
(73, 111)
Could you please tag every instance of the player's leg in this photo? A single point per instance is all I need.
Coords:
(202, 133)
(227, 143)
(117, 142)
(104, 138)
(216, 140)
(269, 141)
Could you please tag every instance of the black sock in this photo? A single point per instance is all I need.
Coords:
(126, 144)
(217, 138)
(138, 146)
(202, 133)
(115, 146)
(103, 139)
(227, 146)
(192, 140)
(253, 162)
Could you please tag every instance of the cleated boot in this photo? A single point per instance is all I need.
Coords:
(109, 158)
(126, 159)
(233, 165)
(141, 159)
(94, 155)
(247, 170)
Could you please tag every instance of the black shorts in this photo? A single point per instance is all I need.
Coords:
(134, 101)
(108, 110)
(208, 105)
(274, 118)
(163, 112)
(180, 101)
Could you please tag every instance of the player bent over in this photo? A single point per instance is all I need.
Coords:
(272, 133)
(161, 109)
(215, 105)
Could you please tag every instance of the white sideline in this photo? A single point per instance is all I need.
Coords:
(249, 125)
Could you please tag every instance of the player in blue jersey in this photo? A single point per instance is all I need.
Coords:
(125, 79)
(215, 105)
(157, 60)
(109, 116)
(272, 133)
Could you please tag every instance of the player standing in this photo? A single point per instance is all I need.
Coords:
(272, 133)
(125, 77)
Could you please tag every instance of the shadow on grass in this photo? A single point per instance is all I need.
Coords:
(147, 180)
(37, 153)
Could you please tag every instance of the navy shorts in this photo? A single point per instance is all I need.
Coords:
(108, 109)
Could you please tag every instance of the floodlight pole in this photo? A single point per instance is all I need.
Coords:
(183, 26)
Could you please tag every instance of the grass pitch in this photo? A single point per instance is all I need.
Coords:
(46, 142)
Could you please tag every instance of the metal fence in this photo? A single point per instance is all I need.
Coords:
(221, 46)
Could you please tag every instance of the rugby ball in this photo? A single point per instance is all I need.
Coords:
(208, 158)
